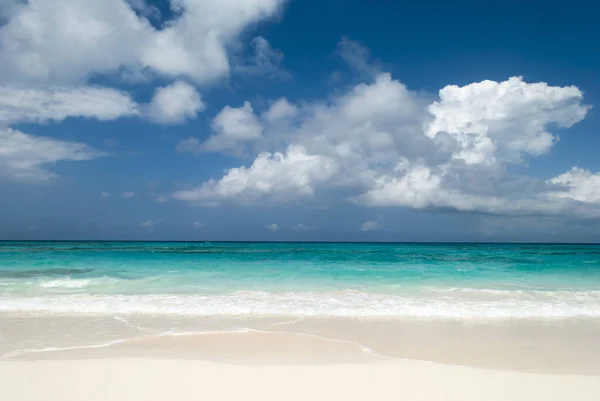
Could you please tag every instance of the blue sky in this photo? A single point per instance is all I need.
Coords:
(299, 120)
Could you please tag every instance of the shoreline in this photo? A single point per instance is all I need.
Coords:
(302, 359)
(554, 347)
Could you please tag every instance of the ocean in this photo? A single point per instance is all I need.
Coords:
(219, 279)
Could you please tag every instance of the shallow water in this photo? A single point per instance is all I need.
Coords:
(429, 281)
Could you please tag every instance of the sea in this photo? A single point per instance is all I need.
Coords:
(460, 281)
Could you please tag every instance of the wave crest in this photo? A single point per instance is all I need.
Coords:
(509, 305)
(65, 283)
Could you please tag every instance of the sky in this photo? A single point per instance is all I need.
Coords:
(299, 120)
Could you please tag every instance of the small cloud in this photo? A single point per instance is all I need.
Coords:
(198, 225)
(150, 224)
(105, 194)
(265, 61)
(189, 145)
(358, 57)
(175, 104)
(128, 194)
(301, 227)
(162, 199)
(272, 227)
(369, 226)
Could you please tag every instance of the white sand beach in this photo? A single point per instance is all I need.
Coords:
(267, 366)
(140, 379)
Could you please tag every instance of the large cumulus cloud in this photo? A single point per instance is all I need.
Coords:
(383, 145)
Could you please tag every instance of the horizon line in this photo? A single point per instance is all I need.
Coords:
(306, 242)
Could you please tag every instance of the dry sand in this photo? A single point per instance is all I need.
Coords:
(142, 379)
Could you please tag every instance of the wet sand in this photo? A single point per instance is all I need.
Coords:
(149, 358)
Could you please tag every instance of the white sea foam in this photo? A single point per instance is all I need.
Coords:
(424, 305)
(65, 283)
(71, 283)
(19, 352)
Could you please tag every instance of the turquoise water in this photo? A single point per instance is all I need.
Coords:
(495, 281)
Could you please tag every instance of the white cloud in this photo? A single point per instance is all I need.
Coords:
(50, 50)
(293, 173)
(332, 141)
(198, 225)
(25, 157)
(382, 145)
(265, 60)
(412, 186)
(22, 155)
(189, 145)
(280, 110)
(504, 120)
(272, 227)
(66, 41)
(236, 129)
(71, 40)
(162, 199)
(232, 128)
(57, 103)
(175, 103)
(578, 184)
(369, 226)
(105, 194)
(358, 57)
(127, 194)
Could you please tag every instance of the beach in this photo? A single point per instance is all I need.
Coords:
(158, 321)
(164, 379)
(318, 359)
(260, 365)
